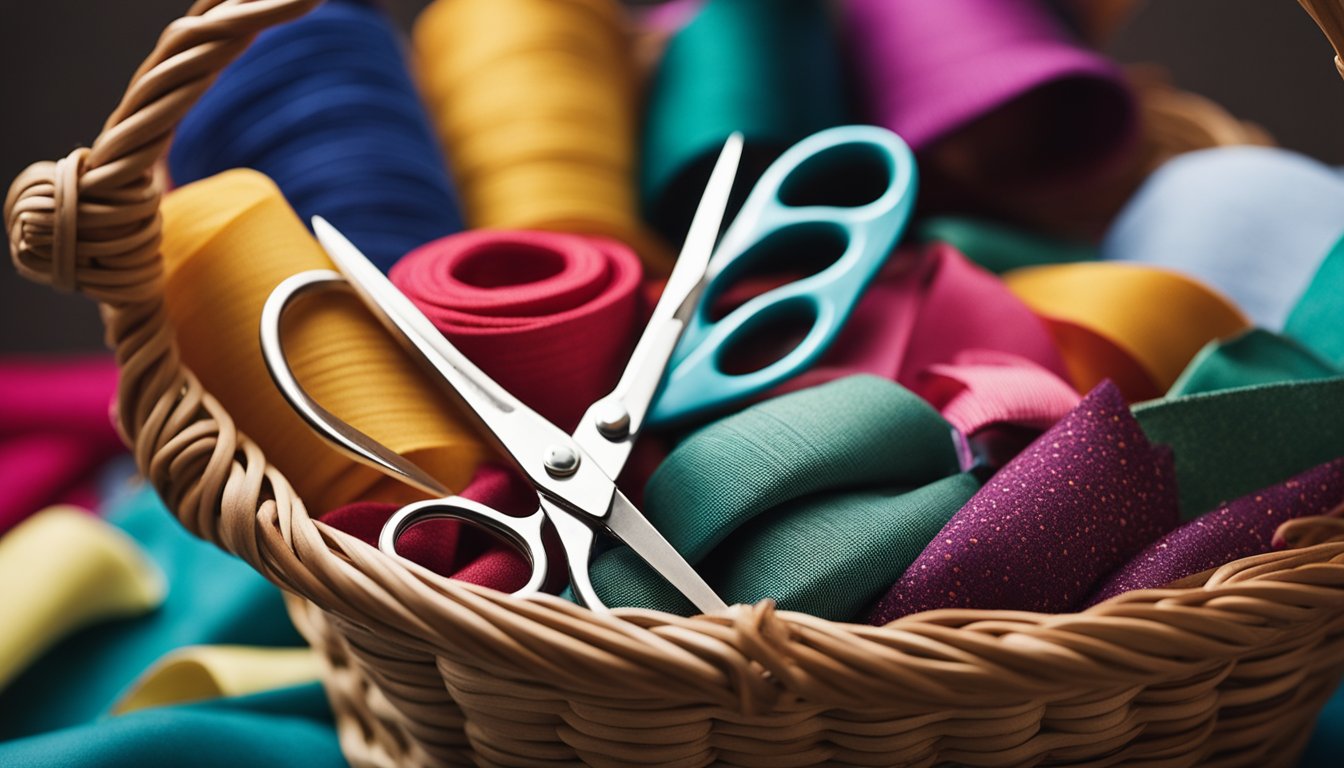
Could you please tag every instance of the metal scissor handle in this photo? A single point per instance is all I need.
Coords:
(790, 198)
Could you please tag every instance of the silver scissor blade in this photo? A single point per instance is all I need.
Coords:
(520, 431)
(627, 524)
(628, 404)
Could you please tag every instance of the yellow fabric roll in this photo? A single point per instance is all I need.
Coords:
(227, 242)
(65, 569)
(534, 103)
(1159, 318)
(201, 672)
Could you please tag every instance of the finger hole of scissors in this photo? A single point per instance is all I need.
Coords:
(848, 175)
(768, 337)
(464, 540)
(786, 255)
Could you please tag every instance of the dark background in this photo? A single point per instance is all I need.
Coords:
(66, 62)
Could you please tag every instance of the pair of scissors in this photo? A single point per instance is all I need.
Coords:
(846, 192)
(572, 474)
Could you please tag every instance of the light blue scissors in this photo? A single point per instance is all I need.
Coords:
(572, 474)
(852, 186)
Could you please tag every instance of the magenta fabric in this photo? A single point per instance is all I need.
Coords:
(927, 68)
(931, 309)
(1234, 530)
(1081, 500)
(450, 548)
(55, 432)
(552, 317)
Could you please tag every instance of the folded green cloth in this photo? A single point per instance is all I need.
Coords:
(818, 499)
(1255, 357)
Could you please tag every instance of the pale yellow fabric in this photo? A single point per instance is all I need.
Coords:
(64, 569)
(227, 242)
(201, 672)
(535, 105)
(1157, 317)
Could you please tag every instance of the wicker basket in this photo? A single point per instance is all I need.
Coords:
(1229, 669)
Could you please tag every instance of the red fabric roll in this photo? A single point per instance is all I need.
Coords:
(551, 317)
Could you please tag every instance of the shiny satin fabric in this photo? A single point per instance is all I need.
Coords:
(227, 242)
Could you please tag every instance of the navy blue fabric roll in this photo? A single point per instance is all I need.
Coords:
(326, 107)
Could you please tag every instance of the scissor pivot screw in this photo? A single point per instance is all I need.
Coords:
(561, 461)
(613, 421)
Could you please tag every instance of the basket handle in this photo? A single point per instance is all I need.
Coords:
(90, 223)
(1329, 16)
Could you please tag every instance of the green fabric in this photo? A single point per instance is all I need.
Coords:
(280, 729)
(1232, 442)
(1255, 357)
(767, 68)
(779, 477)
(1318, 318)
(213, 598)
(1000, 248)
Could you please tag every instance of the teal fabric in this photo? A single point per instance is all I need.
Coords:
(793, 497)
(1327, 743)
(1318, 318)
(1232, 442)
(1255, 357)
(769, 69)
(213, 598)
(1001, 248)
(279, 729)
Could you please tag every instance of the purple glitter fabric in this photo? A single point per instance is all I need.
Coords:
(1234, 530)
(1080, 501)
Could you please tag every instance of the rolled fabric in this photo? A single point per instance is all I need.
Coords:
(1134, 324)
(1317, 320)
(1232, 442)
(1000, 247)
(534, 102)
(737, 473)
(1254, 357)
(1081, 500)
(326, 107)
(212, 598)
(1253, 222)
(550, 317)
(227, 242)
(202, 672)
(769, 69)
(66, 570)
(927, 70)
(260, 731)
(1236, 529)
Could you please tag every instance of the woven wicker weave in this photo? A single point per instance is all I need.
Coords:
(1229, 670)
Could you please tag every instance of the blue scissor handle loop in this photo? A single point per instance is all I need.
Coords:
(696, 382)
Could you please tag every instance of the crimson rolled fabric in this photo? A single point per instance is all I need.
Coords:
(551, 317)
(1236, 529)
(1080, 501)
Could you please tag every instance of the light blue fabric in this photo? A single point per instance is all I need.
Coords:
(213, 597)
(1253, 222)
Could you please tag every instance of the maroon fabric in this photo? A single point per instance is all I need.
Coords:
(1234, 530)
(1081, 500)
(450, 548)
